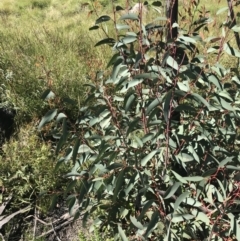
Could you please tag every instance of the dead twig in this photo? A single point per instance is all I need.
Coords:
(56, 228)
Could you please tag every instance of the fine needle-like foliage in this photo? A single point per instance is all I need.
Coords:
(155, 149)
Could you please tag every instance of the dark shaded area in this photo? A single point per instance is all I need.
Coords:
(172, 16)
(6, 124)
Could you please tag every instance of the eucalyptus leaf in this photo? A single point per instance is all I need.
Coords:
(47, 118)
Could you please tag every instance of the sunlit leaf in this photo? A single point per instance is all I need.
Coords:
(171, 190)
(130, 16)
(222, 10)
(147, 158)
(180, 199)
(122, 233)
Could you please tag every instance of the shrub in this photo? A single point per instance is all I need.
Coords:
(41, 4)
(156, 144)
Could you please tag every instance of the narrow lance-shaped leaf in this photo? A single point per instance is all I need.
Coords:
(47, 118)
(145, 209)
(145, 160)
(75, 150)
(222, 10)
(119, 183)
(122, 234)
(179, 178)
(136, 223)
(180, 199)
(47, 94)
(230, 50)
(172, 63)
(129, 102)
(109, 41)
(93, 28)
(153, 105)
(151, 225)
(130, 16)
(103, 18)
(171, 190)
(166, 108)
(176, 218)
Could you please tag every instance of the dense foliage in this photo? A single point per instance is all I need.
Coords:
(154, 151)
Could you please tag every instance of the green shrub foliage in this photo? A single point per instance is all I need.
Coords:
(155, 149)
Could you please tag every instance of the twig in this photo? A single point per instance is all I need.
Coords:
(55, 233)
(35, 224)
(56, 228)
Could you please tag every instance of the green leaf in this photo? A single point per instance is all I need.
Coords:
(192, 202)
(129, 102)
(179, 178)
(75, 150)
(171, 190)
(151, 76)
(194, 179)
(230, 167)
(119, 8)
(146, 207)
(136, 223)
(187, 39)
(230, 50)
(160, 19)
(70, 186)
(145, 160)
(153, 104)
(60, 117)
(200, 21)
(93, 28)
(236, 28)
(109, 41)
(47, 94)
(130, 16)
(225, 161)
(119, 183)
(171, 62)
(131, 84)
(213, 79)
(234, 225)
(122, 234)
(103, 18)
(47, 118)
(128, 39)
(201, 216)
(176, 218)
(209, 172)
(157, 4)
(166, 108)
(122, 26)
(226, 105)
(222, 10)
(199, 98)
(180, 199)
(152, 224)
